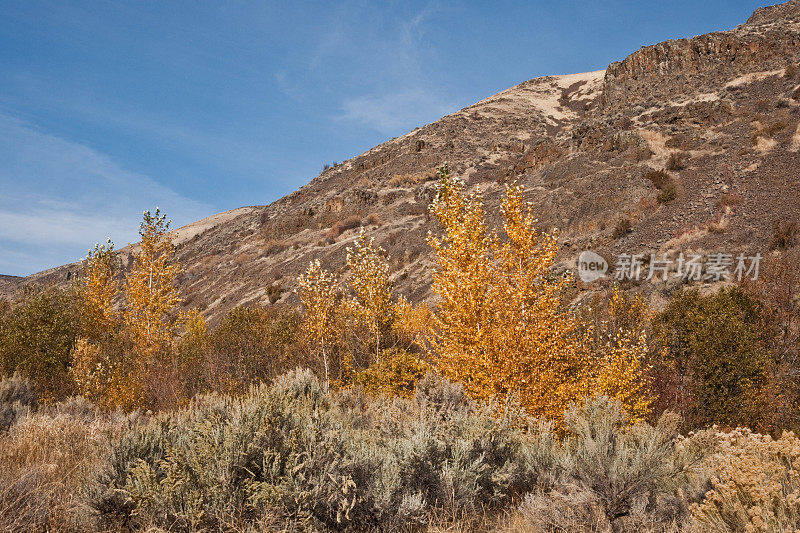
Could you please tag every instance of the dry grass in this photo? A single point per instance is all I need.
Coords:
(276, 246)
(408, 180)
(676, 161)
(341, 226)
(784, 234)
(623, 227)
(666, 186)
(46, 461)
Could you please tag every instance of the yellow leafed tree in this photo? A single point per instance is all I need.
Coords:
(500, 328)
(95, 372)
(372, 289)
(152, 295)
(317, 290)
(100, 287)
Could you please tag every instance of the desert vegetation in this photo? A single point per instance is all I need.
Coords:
(503, 407)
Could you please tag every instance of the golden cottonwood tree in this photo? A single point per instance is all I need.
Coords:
(317, 290)
(152, 295)
(94, 368)
(372, 289)
(500, 328)
(100, 287)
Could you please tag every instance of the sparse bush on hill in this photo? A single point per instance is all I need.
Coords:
(341, 226)
(623, 227)
(784, 234)
(665, 184)
(676, 160)
(275, 246)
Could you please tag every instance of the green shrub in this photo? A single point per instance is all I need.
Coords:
(716, 347)
(36, 339)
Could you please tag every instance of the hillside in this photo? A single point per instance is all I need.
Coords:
(583, 144)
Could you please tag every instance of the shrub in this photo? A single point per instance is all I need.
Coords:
(341, 226)
(372, 220)
(17, 399)
(302, 457)
(784, 234)
(251, 344)
(613, 476)
(274, 291)
(676, 161)
(754, 487)
(275, 246)
(396, 373)
(623, 227)
(662, 181)
(36, 339)
(716, 348)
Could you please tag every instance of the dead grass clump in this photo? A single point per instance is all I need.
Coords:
(46, 460)
(623, 227)
(768, 131)
(339, 227)
(784, 234)
(274, 291)
(408, 179)
(676, 161)
(730, 199)
(662, 181)
(275, 246)
(718, 225)
(372, 220)
(17, 399)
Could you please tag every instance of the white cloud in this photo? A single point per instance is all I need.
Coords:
(391, 113)
(59, 197)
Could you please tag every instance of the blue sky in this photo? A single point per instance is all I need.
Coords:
(107, 109)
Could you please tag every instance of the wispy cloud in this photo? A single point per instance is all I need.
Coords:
(408, 94)
(388, 113)
(60, 196)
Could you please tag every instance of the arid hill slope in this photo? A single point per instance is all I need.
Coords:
(727, 103)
